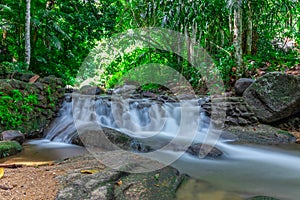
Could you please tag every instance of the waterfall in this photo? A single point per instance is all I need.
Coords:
(135, 117)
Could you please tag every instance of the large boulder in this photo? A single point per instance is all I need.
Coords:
(101, 182)
(274, 96)
(12, 135)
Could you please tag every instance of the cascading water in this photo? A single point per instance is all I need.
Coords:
(137, 118)
(246, 170)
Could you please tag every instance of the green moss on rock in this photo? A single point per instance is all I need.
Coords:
(8, 148)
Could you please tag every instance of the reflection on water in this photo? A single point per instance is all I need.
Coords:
(247, 171)
(38, 151)
(196, 189)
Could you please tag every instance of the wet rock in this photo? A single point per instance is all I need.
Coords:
(12, 135)
(241, 85)
(258, 134)
(125, 90)
(274, 96)
(68, 98)
(148, 94)
(228, 111)
(204, 151)
(91, 90)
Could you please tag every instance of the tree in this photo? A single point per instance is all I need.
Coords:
(237, 36)
(27, 35)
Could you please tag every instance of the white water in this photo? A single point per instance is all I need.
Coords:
(246, 170)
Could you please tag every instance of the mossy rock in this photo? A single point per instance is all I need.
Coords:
(274, 96)
(8, 148)
(258, 134)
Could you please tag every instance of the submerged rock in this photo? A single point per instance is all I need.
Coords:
(204, 151)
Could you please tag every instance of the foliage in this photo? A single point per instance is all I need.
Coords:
(14, 108)
(64, 32)
(8, 148)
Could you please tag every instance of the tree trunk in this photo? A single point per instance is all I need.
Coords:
(27, 35)
(222, 38)
(249, 31)
(230, 22)
(237, 37)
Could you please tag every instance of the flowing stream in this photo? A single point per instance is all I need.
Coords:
(244, 170)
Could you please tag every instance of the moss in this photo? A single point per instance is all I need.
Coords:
(8, 148)
(284, 133)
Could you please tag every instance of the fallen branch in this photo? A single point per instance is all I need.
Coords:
(11, 165)
(34, 78)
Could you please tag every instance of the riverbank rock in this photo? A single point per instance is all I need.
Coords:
(36, 104)
(274, 96)
(258, 134)
(9, 148)
(105, 183)
(241, 85)
(12, 135)
(231, 111)
(291, 123)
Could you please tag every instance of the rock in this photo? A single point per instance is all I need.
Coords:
(274, 96)
(291, 123)
(126, 90)
(241, 85)
(91, 90)
(108, 183)
(105, 138)
(93, 186)
(149, 94)
(204, 151)
(9, 148)
(160, 184)
(12, 135)
(68, 98)
(258, 134)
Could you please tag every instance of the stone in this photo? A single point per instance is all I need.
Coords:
(204, 151)
(49, 100)
(109, 183)
(91, 90)
(9, 148)
(258, 134)
(125, 90)
(274, 96)
(241, 85)
(12, 135)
